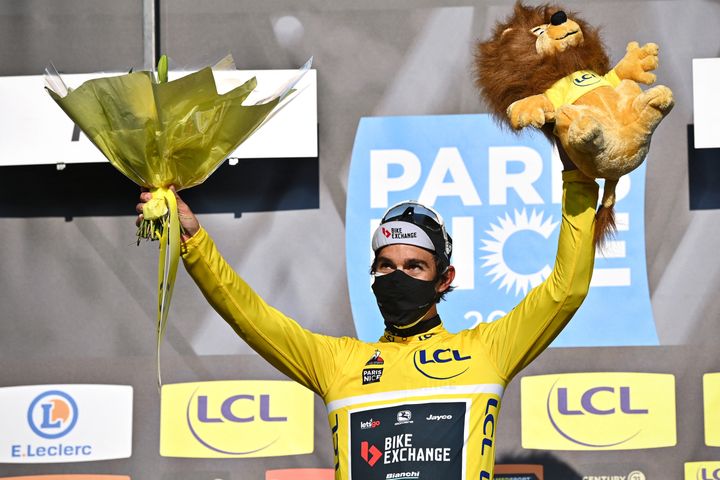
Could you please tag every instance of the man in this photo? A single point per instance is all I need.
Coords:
(421, 402)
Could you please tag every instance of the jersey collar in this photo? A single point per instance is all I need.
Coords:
(420, 337)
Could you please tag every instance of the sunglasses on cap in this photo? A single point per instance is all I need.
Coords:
(416, 213)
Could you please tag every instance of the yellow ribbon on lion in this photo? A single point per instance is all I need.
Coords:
(160, 133)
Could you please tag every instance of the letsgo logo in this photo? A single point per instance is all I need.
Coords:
(702, 471)
(711, 407)
(52, 414)
(65, 423)
(500, 195)
(236, 419)
(598, 411)
(441, 364)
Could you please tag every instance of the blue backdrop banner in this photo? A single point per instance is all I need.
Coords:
(499, 194)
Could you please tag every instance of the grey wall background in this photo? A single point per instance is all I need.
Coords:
(77, 297)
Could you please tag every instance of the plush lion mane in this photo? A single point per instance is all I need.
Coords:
(508, 68)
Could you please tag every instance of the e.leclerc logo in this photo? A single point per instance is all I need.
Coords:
(598, 411)
(500, 196)
(52, 414)
(65, 423)
(236, 419)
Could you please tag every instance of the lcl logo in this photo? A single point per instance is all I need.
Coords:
(599, 411)
(708, 474)
(441, 364)
(236, 418)
(613, 399)
(252, 404)
(620, 398)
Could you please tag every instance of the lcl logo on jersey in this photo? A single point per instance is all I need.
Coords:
(52, 414)
(598, 411)
(702, 471)
(441, 363)
(586, 79)
(500, 195)
(236, 419)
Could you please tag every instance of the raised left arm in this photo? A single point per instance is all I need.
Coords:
(516, 339)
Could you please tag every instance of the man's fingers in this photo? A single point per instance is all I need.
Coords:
(139, 207)
(139, 220)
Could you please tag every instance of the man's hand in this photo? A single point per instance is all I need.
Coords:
(188, 220)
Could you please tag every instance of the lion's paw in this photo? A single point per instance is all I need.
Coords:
(638, 62)
(585, 134)
(653, 104)
(532, 111)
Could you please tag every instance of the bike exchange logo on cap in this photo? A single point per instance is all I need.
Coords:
(398, 234)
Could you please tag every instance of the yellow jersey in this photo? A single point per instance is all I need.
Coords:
(568, 89)
(423, 407)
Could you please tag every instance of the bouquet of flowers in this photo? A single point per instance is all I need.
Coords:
(161, 133)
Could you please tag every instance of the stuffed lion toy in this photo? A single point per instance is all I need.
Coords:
(548, 69)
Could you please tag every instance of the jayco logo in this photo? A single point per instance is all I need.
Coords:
(598, 411)
(441, 364)
(500, 195)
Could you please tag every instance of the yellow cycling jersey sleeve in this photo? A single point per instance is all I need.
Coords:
(293, 350)
(516, 339)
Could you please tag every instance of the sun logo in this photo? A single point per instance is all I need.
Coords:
(501, 233)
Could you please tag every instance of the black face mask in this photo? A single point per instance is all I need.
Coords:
(403, 299)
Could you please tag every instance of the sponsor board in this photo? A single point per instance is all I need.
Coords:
(598, 411)
(236, 419)
(702, 470)
(518, 472)
(33, 118)
(65, 423)
(415, 441)
(706, 97)
(499, 194)
(83, 476)
(301, 474)
(711, 408)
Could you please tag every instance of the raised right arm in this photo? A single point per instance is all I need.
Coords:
(306, 357)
